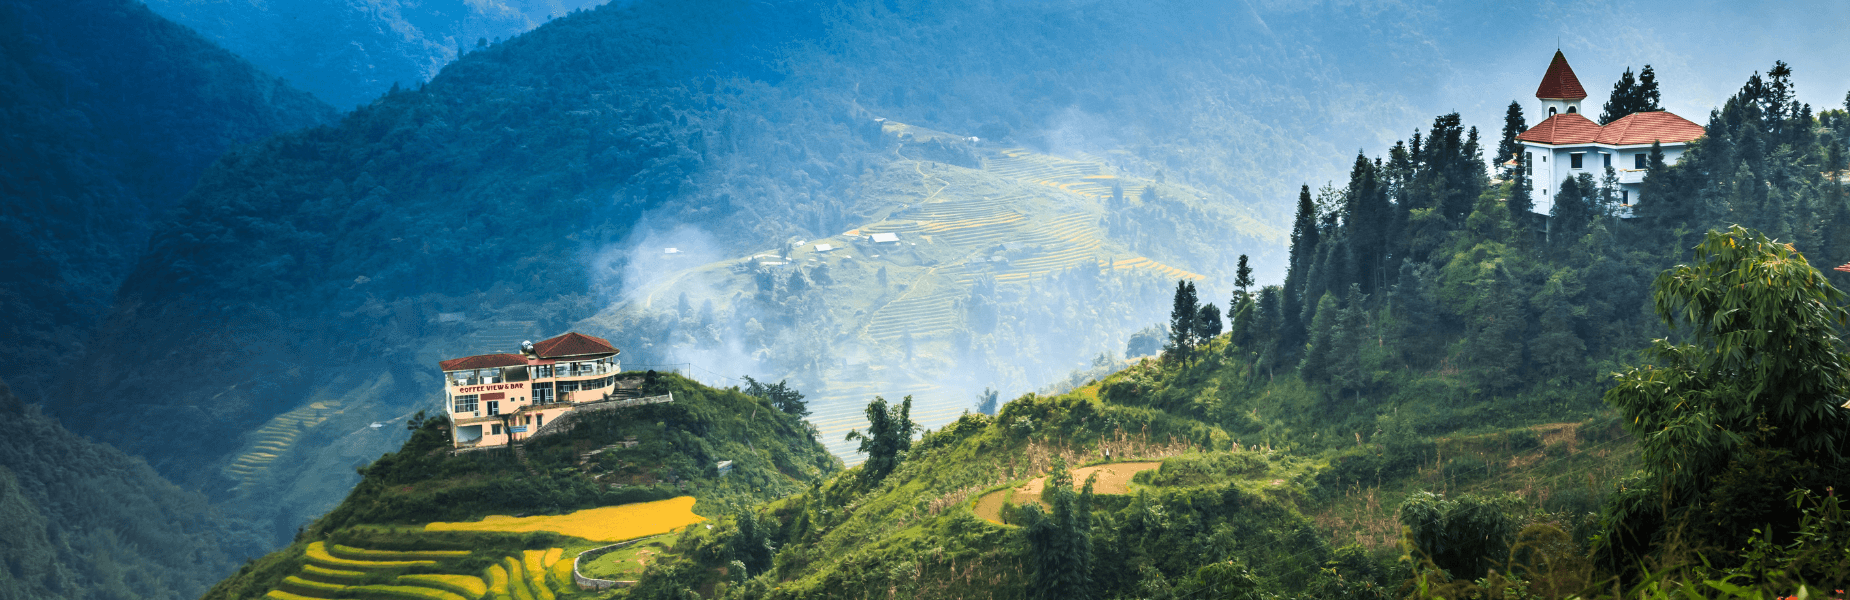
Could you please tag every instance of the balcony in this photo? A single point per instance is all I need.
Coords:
(1632, 176)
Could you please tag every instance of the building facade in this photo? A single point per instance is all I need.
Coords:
(1567, 143)
(497, 399)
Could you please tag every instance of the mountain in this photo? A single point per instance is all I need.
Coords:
(112, 113)
(314, 278)
(348, 53)
(86, 521)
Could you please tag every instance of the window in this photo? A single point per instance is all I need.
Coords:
(1551, 111)
(1606, 157)
(1639, 161)
(494, 407)
(1528, 163)
(1573, 109)
(539, 420)
(466, 404)
(568, 386)
(1575, 159)
(542, 393)
(497, 429)
(1625, 196)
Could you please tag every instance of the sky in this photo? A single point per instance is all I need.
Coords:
(1701, 51)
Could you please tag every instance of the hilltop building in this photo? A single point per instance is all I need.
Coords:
(497, 399)
(1567, 143)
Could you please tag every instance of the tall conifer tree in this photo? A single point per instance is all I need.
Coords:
(1513, 125)
(1304, 240)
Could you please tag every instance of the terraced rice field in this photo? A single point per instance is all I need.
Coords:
(334, 571)
(603, 524)
(1113, 478)
(277, 438)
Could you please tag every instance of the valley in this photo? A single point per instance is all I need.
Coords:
(897, 299)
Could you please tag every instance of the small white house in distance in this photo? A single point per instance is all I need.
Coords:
(724, 467)
(1567, 143)
(882, 238)
(824, 247)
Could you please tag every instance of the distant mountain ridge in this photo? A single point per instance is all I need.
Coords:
(348, 53)
(111, 113)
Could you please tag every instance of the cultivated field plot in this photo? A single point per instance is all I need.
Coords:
(1113, 478)
(627, 564)
(336, 571)
(603, 524)
(277, 438)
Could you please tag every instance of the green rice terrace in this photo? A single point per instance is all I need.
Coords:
(951, 214)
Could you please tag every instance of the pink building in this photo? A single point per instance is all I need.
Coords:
(495, 399)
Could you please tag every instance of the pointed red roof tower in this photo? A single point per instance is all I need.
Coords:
(1559, 83)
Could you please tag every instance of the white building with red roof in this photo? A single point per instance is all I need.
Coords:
(1567, 143)
(496, 399)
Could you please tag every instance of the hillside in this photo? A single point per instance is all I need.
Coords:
(111, 114)
(84, 520)
(425, 499)
(318, 275)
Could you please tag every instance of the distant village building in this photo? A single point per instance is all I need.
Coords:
(495, 399)
(1567, 143)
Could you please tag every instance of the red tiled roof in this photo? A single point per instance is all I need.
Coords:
(573, 344)
(485, 361)
(1647, 127)
(1843, 267)
(1565, 128)
(1559, 83)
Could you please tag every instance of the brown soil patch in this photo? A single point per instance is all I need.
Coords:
(1113, 478)
(1568, 433)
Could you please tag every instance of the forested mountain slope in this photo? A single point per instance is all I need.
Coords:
(317, 276)
(348, 53)
(111, 114)
(84, 520)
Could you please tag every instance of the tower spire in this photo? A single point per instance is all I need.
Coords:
(1560, 90)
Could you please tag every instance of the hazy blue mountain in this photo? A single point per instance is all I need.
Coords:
(111, 113)
(84, 520)
(349, 52)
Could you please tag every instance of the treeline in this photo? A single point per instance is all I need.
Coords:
(1424, 263)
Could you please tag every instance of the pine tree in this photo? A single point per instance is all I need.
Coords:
(1304, 241)
(1623, 100)
(1647, 94)
(1269, 325)
(1365, 223)
(1317, 353)
(1513, 125)
(1243, 334)
(1522, 189)
(1631, 95)
(1207, 323)
(1243, 275)
(1182, 317)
